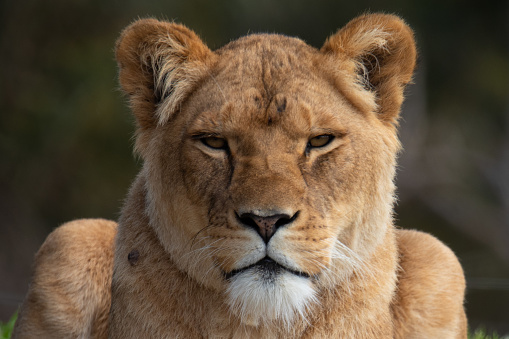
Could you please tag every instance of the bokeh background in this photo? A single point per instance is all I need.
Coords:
(66, 132)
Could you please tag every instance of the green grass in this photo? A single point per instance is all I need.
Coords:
(6, 329)
(480, 333)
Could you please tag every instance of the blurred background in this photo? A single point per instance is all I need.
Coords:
(66, 132)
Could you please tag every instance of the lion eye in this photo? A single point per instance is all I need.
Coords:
(214, 142)
(320, 141)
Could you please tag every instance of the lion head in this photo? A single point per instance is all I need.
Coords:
(269, 164)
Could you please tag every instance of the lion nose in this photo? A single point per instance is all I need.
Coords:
(266, 226)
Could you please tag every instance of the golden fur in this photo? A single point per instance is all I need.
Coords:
(264, 205)
(69, 293)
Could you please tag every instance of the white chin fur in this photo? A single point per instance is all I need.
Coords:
(256, 299)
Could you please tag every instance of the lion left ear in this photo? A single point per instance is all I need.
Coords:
(159, 63)
(378, 51)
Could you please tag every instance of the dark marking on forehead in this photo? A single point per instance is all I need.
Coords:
(280, 102)
(276, 108)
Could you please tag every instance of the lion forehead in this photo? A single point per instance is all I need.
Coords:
(263, 79)
(266, 62)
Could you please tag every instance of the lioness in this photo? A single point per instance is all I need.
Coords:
(264, 205)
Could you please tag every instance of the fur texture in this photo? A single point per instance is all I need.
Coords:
(69, 294)
(264, 206)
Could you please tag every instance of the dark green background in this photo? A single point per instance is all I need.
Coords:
(66, 134)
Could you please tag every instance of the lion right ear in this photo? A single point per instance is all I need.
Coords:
(377, 52)
(159, 63)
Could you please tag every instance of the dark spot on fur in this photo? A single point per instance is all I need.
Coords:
(258, 101)
(281, 105)
(133, 257)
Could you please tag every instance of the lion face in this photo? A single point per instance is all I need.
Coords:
(268, 179)
(273, 166)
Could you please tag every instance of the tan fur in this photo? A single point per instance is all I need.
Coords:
(428, 265)
(197, 251)
(69, 294)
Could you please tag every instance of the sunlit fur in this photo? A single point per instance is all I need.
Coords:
(186, 264)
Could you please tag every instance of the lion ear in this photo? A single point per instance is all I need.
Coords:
(159, 65)
(378, 51)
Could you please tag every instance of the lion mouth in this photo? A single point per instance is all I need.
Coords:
(267, 268)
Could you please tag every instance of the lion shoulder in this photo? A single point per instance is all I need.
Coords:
(69, 294)
(431, 288)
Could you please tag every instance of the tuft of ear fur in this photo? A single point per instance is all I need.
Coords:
(160, 63)
(378, 51)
